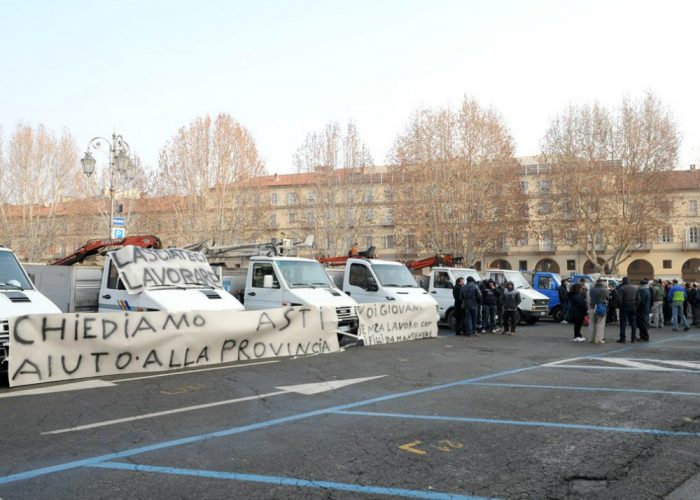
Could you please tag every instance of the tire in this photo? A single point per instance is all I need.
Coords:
(531, 320)
(451, 319)
(558, 314)
(518, 317)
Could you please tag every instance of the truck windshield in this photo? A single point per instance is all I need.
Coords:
(393, 275)
(12, 276)
(465, 273)
(517, 278)
(303, 274)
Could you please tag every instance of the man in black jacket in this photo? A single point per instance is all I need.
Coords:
(563, 292)
(628, 295)
(471, 300)
(458, 309)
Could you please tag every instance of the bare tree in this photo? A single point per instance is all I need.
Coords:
(42, 170)
(456, 184)
(210, 170)
(339, 199)
(608, 168)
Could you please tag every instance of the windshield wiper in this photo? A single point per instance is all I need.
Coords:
(309, 285)
(204, 285)
(14, 287)
(409, 286)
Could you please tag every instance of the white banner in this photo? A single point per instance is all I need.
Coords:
(146, 268)
(387, 322)
(53, 347)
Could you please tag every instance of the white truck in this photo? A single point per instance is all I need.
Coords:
(101, 289)
(274, 281)
(18, 296)
(533, 305)
(373, 280)
(439, 284)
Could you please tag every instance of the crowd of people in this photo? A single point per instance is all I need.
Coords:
(651, 304)
(484, 306)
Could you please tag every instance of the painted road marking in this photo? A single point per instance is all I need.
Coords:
(189, 372)
(231, 431)
(526, 423)
(445, 445)
(305, 389)
(632, 363)
(73, 386)
(588, 389)
(289, 481)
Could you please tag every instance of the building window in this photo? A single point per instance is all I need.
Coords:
(311, 197)
(388, 217)
(522, 265)
(369, 241)
(693, 235)
(545, 208)
(370, 215)
(292, 198)
(668, 264)
(545, 186)
(523, 186)
(309, 218)
(389, 241)
(692, 207)
(273, 220)
(521, 240)
(667, 235)
(389, 194)
(369, 195)
(274, 199)
(292, 217)
(570, 265)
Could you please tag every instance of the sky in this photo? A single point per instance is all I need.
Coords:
(285, 68)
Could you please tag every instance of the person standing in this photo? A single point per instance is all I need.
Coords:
(490, 307)
(629, 302)
(657, 304)
(643, 310)
(577, 310)
(613, 306)
(677, 296)
(458, 310)
(667, 303)
(471, 301)
(563, 291)
(696, 305)
(598, 311)
(511, 300)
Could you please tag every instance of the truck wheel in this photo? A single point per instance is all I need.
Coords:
(558, 314)
(518, 317)
(531, 320)
(451, 320)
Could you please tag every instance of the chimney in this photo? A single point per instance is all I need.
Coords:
(692, 166)
(276, 177)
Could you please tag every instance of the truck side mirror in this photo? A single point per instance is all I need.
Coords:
(267, 281)
(371, 285)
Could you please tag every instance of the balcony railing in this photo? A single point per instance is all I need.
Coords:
(644, 246)
(691, 245)
(547, 247)
(501, 249)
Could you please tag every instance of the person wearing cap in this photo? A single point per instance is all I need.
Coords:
(598, 303)
(458, 309)
(643, 310)
(629, 301)
(677, 296)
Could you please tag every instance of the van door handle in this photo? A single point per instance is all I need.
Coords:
(108, 296)
(433, 291)
(251, 293)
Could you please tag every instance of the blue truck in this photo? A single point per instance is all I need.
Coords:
(548, 284)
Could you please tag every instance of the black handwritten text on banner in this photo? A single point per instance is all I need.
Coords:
(52, 347)
(387, 322)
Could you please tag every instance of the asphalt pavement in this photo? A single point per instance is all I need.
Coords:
(530, 416)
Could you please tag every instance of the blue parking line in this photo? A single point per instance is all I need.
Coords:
(587, 389)
(625, 368)
(269, 423)
(289, 481)
(525, 423)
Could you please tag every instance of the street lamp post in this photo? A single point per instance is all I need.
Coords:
(119, 162)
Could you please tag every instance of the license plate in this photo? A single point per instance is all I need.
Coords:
(344, 328)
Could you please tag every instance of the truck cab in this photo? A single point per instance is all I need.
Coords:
(18, 297)
(186, 297)
(372, 280)
(294, 281)
(548, 284)
(533, 305)
(439, 285)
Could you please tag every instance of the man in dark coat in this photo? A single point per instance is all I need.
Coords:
(563, 293)
(471, 301)
(643, 310)
(628, 295)
(458, 310)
